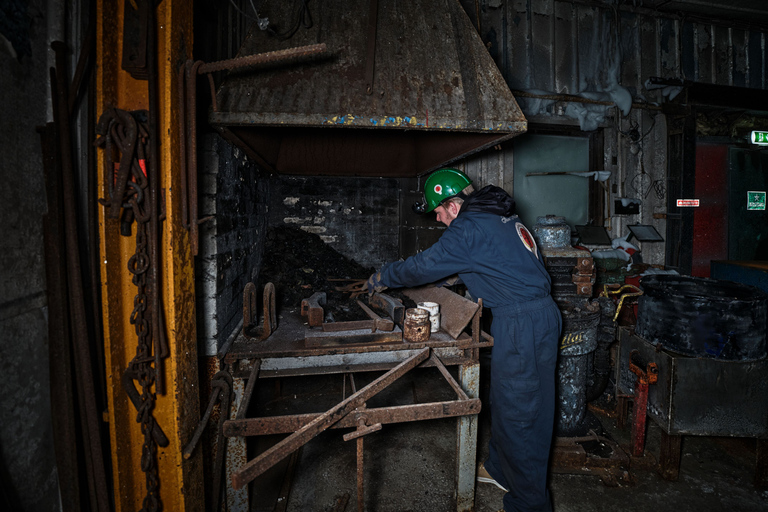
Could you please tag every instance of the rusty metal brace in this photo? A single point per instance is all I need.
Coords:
(639, 411)
(250, 330)
(278, 452)
(361, 419)
(362, 430)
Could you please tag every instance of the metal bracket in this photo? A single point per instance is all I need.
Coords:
(250, 330)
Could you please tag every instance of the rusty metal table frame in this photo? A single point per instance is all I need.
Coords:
(269, 359)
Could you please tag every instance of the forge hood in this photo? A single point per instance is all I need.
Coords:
(490, 199)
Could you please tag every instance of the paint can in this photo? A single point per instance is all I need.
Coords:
(434, 314)
(416, 325)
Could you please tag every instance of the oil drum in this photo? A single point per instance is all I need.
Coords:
(580, 322)
(703, 317)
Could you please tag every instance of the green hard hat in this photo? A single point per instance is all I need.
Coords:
(443, 184)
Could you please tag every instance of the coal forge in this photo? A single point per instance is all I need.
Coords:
(299, 264)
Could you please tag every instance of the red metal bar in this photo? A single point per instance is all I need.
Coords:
(644, 379)
(639, 416)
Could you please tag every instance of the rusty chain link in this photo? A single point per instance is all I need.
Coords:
(127, 186)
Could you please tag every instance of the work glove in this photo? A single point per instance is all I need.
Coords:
(374, 284)
(448, 281)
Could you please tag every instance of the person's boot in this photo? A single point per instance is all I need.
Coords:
(485, 477)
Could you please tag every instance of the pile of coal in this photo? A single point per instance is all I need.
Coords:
(299, 264)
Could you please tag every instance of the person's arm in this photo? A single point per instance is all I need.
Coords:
(445, 258)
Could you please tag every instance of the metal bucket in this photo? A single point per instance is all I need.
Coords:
(579, 340)
(552, 231)
(416, 325)
(703, 317)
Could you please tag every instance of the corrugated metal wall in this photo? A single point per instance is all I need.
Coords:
(559, 47)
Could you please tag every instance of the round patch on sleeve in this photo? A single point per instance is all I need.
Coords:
(525, 237)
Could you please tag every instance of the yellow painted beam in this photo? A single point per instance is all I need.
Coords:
(177, 412)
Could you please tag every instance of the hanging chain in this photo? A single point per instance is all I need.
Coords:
(126, 133)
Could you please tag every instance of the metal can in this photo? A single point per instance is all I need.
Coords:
(416, 325)
(433, 308)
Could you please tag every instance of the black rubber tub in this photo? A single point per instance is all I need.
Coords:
(703, 317)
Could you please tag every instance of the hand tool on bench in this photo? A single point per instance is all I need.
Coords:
(384, 324)
(312, 308)
(354, 288)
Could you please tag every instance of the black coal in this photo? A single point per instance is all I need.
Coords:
(300, 263)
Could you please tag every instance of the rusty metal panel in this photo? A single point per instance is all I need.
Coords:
(588, 20)
(556, 43)
(703, 53)
(755, 58)
(565, 52)
(688, 60)
(648, 39)
(427, 111)
(739, 42)
(669, 48)
(517, 45)
(630, 41)
(723, 55)
(542, 39)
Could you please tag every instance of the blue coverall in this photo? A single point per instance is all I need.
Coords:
(497, 259)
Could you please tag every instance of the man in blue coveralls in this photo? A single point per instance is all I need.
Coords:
(496, 257)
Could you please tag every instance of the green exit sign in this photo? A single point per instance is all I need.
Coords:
(755, 200)
(760, 137)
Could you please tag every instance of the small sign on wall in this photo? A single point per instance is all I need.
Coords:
(756, 200)
(687, 203)
(760, 138)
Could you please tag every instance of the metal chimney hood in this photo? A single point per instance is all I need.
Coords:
(404, 88)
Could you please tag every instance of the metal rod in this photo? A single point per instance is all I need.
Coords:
(252, 378)
(578, 99)
(385, 415)
(59, 341)
(154, 204)
(282, 449)
(82, 60)
(455, 385)
(192, 69)
(182, 99)
(84, 369)
(360, 476)
(261, 58)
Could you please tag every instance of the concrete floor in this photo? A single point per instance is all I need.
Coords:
(410, 467)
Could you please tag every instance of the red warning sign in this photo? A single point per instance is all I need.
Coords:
(687, 202)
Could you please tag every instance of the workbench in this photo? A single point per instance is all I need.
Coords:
(286, 354)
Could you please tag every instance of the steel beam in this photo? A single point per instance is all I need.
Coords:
(177, 411)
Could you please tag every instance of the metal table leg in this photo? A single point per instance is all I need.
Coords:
(466, 435)
(237, 499)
